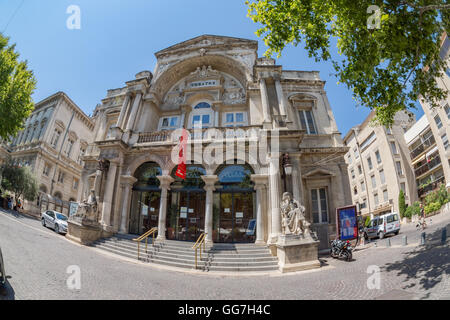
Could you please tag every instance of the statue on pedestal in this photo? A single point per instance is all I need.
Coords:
(293, 219)
(88, 209)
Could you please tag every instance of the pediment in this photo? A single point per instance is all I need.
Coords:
(319, 173)
(206, 41)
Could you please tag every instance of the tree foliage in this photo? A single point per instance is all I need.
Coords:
(387, 68)
(19, 180)
(401, 203)
(17, 84)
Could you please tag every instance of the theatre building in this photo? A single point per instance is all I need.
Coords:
(275, 127)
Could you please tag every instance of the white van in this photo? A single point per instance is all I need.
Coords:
(383, 225)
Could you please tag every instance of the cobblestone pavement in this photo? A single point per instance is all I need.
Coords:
(37, 259)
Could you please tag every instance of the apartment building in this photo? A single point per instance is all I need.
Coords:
(426, 159)
(379, 165)
(53, 142)
(439, 120)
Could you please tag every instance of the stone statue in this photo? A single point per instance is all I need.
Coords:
(293, 219)
(88, 208)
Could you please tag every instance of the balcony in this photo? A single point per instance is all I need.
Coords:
(421, 148)
(166, 136)
(431, 186)
(427, 166)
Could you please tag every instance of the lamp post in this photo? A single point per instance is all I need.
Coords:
(287, 168)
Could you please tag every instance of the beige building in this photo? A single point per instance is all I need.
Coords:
(379, 165)
(426, 159)
(216, 82)
(439, 118)
(54, 139)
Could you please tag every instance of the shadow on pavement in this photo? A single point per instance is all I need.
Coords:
(428, 264)
(6, 291)
(17, 215)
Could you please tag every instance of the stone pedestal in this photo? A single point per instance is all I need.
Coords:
(84, 231)
(297, 253)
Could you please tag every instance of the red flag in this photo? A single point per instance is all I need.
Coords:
(181, 170)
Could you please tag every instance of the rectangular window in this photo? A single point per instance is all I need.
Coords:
(75, 184)
(394, 147)
(352, 173)
(398, 165)
(363, 186)
(307, 121)
(374, 181)
(363, 205)
(235, 119)
(375, 197)
(377, 155)
(356, 152)
(46, 170)
(438, 121)
(349, 157)
(369, 162)
(447, 110)
(319, 205)
(80, 156)
(385, 196)
(69, 148)
(61, 177)
(403, 187)
(55, 138)
(359, 170)
(382, 177)
(445, 141)
(169, 123)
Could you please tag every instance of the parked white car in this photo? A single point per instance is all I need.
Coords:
(383, 225)
(55, 220)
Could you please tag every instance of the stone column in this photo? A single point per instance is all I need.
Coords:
(183, 118)
(107, 199)
(123, 111)
(209, 207)
(265, 101)
(296, 180)
(134, 111)
(165, 186)
(260, 181)
(127, 183)
(281, 97)
(274, 188)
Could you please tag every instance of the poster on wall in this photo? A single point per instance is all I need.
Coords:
(73, 208)
(144, 210)
(347, 223)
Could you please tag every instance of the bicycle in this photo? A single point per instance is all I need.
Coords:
(421, 225)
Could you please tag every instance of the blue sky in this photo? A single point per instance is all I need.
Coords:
(118, 38)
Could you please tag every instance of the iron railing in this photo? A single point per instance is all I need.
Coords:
(145, 236)
(198, 245)
(422, 147)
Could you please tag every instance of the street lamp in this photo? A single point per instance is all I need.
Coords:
(287, 168)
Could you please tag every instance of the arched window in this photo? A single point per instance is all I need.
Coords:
(193, 178)
(235, 176)
(147, 177)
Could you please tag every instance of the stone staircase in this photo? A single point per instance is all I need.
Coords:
(218, 257)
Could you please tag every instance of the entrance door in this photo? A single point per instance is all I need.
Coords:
(236, 213)
(189, 222)
(145, 214)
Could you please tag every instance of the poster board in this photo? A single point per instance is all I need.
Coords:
(347, 223)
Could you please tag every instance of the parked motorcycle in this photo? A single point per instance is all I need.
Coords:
(341, 249)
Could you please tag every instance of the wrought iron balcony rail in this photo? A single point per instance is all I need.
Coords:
(428, 166)
(422, 147)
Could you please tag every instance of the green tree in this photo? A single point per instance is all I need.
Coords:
(17, 84)
(385, 64)
(19, 180)
(401, 203)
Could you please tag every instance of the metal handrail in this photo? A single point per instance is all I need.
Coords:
(145, 236)
(198, 244)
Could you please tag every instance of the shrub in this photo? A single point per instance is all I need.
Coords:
(366, 223)
(432, 207)
(431, 198)
(413, 210)
(443, 195)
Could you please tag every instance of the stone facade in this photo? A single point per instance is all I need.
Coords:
(379, 165)
(219, 82)
(439, 118)
(55, 137)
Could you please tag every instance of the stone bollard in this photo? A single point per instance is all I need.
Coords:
(423, 238)
(388, 243)
(444, 235)
(405, 240)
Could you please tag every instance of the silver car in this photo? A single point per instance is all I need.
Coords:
(55, 220)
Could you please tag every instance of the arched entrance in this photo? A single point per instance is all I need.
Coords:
(186, 211)
(145, 199)
(234, 216)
